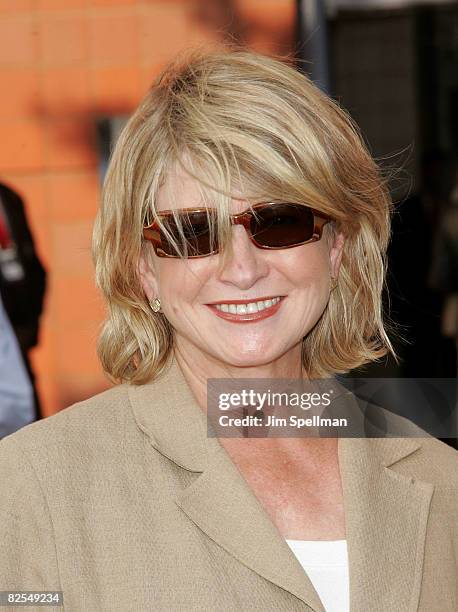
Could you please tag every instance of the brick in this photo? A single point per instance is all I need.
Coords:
(65, 91)
(111, 3)
(48, 392)
(17, 41)
(73, 196)
(63, 39)
(66, 366)
(76, 389)
(20, 92)
(71, 248)
(116, 87)
(164, 29)
(60, 5)
(15, 6)
(70, 143)
(268, 15)
(114, 39)
(77, 350)
(21, 145)
(76, 301)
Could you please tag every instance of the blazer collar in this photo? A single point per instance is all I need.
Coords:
(386, 512)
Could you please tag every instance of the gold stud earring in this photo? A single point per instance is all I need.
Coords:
(155, 305)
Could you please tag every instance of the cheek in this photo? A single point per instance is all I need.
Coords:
(308, 267)
(180, 282)
(171, 276)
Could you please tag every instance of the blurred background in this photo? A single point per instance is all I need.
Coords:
(71, 72)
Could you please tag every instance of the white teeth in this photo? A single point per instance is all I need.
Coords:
(247, 308)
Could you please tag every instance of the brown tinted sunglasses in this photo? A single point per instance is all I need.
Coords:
(269, 226)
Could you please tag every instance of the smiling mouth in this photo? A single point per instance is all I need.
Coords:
(245, 311)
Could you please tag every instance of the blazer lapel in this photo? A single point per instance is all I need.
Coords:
(219, 501)
(386, 513)
(386, 517)
(221, 504)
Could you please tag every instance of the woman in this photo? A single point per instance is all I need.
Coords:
(274, 270)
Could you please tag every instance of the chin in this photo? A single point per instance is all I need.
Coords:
(250, 360)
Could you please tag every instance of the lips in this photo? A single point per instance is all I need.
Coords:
(259, 299)
(244, 311)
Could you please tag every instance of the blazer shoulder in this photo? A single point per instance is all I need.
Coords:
(87, 421)
(443, 453)
(437, 463)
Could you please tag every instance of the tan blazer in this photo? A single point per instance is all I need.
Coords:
(124, 504)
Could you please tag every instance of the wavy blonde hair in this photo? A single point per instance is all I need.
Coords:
(236, 118)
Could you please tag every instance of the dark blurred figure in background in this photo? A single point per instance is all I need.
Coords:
(22, 277)
(415, 303)
(444, 269)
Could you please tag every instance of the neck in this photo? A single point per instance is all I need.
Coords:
(197, 371)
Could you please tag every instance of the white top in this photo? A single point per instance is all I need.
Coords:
(326, 564)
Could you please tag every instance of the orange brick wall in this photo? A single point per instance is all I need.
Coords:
(62, 64)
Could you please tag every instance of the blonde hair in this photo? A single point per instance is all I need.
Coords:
(236, 118)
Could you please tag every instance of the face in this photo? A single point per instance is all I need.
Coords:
(190, 291)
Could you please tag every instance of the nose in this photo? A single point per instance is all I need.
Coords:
(247, 264)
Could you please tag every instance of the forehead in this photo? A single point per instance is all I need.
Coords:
(180, 190)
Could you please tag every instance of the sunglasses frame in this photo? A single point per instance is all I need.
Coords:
(152, 232)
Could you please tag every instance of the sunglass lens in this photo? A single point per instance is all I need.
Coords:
(282, 225)
(191, 236)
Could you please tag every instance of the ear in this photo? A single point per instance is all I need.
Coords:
(336, 252)
(148, 277)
